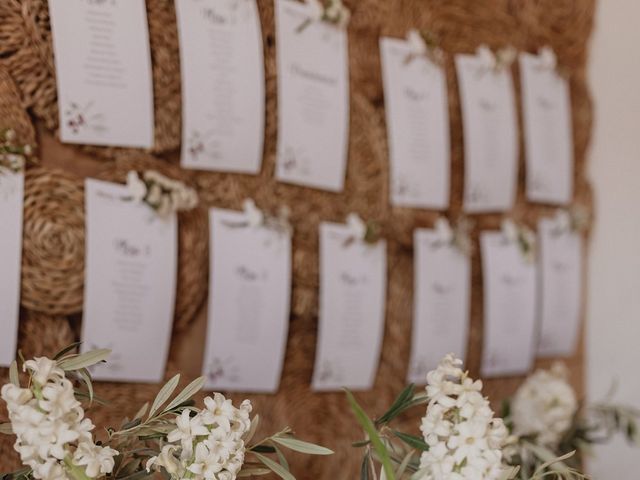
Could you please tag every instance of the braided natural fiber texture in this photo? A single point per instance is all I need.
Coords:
(53, 242)
(44, 335)
(12, 114)
(193, 236)
(26, 51)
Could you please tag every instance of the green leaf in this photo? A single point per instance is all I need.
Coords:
(76, 362)
(86, 377)
(188, 392)
(255, 421)
(361, 443)
(275, 467)
(404, 464)
(164, 394)
(13, 374)
(398, 405)
(263, 449)
(364, 467)
(253, 472)
(370, 430)
(5, 429)
(66, 350)
(411, 440)
(143, 410)
(281, 458)
(302, 447)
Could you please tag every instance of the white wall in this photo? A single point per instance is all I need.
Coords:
(613, 332)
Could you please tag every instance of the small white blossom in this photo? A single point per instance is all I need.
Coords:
(136, 187)
(43, 369)
(548, 60)
(97, 460)
(356, 226)
(253, 214)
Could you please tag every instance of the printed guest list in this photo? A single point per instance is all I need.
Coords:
(313, 99)
(11, 205)
(442, 279)
(130, 283)
(418, 127)
(222, 85)
(352, 307)
(548, 132)
(249, 302)
(560, 289)
(509, 283)
(490, 135)
(103, 72)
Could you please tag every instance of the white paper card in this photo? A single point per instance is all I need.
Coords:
(130, 282)
(313, 99)
(417, 115)
(560, 278)
(509, 307)
(490, 136)
(548, 132)
(442, 293)
(11, 205)
(353, 277)
(249, 302)
(222, 85)
(103, 72)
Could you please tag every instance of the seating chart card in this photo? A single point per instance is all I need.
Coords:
(353, 278)
(249, 303)
(103, 72)
(130, 282)
(313, 99)
(223, 92)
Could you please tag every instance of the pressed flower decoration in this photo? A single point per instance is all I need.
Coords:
(173, 437)
(461, 438)
(548, 420)
(457, 236)
(576, 219)
(423, 44)
(333, 12)
(162, 194)
(256, 218)
(498, 61)
(522, 236)
(361, 231)
(13, 157)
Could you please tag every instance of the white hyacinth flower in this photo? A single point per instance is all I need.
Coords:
(357, 227)
(253, 214)
(43, 369)
(136, 188)
(97, 460)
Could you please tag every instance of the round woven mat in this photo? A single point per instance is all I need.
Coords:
(26, 51)
(53, 242)
(193, 236)
(12, 113)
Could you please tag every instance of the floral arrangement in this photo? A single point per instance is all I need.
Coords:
(522, 236)
(461, 438)
(546, 416)
(163, 194)
(55, 441)
(333, 12)
(424, 44)
(13, 157)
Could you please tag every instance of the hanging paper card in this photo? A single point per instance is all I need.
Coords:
(130, 283)
(560, 289)
(548, 133)
(417, 115)
(249, 301)
(103, 72)
(490, 135)
(442, 289)
(11, 203)
(313, 99)
(352, 307)
(509, 284)
(222, 85)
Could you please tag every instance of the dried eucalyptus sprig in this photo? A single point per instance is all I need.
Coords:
(13, 157)
(333, 12)
(162, 194)
(521, 235)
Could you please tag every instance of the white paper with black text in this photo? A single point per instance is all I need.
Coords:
(11, 206)
(509, 285)
(249, 304)
(223, 89)
(313, 99)
(416, 106)
(353, 277)
(441, 305)
(490, 136)
(560, 263)
(548, 134)
(130, 283)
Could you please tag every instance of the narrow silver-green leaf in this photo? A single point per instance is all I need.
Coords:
(164, 394)
(84, 360)
(275, 467)
(13, 374)
(86, 377)
(143, 410)
(255, 421)
(302, 447)
(281, 458)
(253, 472)
(404, 464)
(188, 392)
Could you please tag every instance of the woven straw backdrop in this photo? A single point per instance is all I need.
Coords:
(52, 317)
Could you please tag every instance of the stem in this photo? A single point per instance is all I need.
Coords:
(75, 471)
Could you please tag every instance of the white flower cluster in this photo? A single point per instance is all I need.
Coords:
(465, 441)
(52, 434)
(333, 11)
(544, 406)
(162, 194)
(13, 157)
(208, 445)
